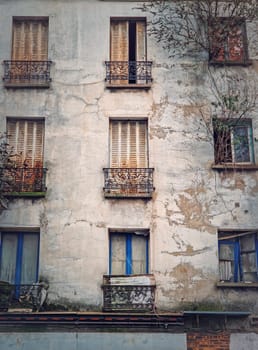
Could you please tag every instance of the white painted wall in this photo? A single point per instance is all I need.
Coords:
(190, 201)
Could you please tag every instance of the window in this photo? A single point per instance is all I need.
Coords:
(228, 41)
(129, 174)
(128, 60)
(26, 140)
(238, 256)
(129, 252)
(19, 255)
(29, 65)
(30, 39)
(129, 147)
(233, 141)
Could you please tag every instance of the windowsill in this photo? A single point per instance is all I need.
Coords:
(26, 194)
(128, 86)
(222, 284)
(26, 85)
(235, 166)
(127, 195)
(145, 279)
(244, 63)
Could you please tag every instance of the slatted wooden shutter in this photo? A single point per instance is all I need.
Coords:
(141, 40)
(26, 139)
(128, 144)
(119, 41)
(30, 40)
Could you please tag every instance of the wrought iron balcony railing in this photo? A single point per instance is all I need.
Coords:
(129, 293)
(128, 182)
(120, 73)
(22, 295)
(27, 73)
(23, 180)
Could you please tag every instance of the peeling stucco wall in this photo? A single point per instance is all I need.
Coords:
(191, 201)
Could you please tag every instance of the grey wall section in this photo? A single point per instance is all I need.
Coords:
(247, 341)
(92, 341)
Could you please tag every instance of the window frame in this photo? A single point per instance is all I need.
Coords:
(31, 19)
(20, 252)
(234, 240)
(130, 143)
(219, 159)
(225, 45)
(37, 124)
(128, 250)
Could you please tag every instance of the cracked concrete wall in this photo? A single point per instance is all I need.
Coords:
(191, 201)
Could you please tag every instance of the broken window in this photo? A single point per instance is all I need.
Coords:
(228, 41)
(233, 141)
(129, 252)
(238, 256)
(19, 255)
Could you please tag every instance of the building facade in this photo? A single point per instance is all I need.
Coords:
(121, 199)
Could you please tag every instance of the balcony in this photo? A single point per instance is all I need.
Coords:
(22, 296)
(134, 293)
(128, 74)
(21, 74)
(128, 182)
(24, 181)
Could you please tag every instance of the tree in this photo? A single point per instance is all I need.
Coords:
(184, 25)
(214, 31)
(7, 170)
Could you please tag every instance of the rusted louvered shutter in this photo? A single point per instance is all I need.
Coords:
(140, 41)
(26, 139)
(30, 40)
(119, 41)
(119, 51)
(128, 144)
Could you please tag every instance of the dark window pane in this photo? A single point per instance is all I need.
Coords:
(241, 144)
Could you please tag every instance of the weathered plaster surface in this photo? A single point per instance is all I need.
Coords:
(191, 201)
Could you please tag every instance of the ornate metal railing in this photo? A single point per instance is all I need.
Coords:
(27, 73)
(128, 72)
(30, 296)
(128, 182)
(23, 180)
(128, 297)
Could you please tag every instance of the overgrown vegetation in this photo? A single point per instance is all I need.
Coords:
(213, 32)
(7, 169)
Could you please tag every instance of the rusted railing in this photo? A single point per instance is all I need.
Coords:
(128, 182)
(30, 296)
(127, 294)
(27, 73)
(23, 180)
(128, 72)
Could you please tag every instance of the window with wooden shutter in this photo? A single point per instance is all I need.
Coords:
(26, 139)
(128, 51)
(30, 39)
(128, 144)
